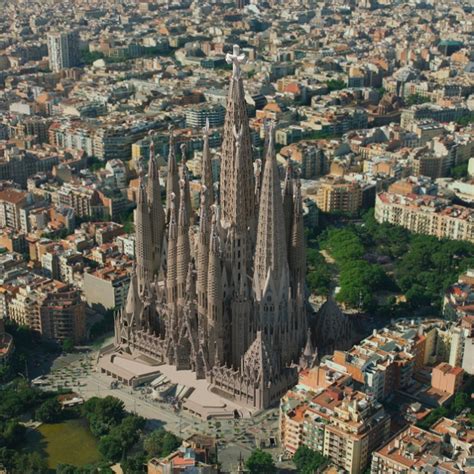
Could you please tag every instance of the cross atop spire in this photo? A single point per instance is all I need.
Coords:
(236, 59)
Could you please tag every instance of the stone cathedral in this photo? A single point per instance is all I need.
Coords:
(221, 292)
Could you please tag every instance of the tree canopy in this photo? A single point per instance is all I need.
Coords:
(160, 443)
(418, 266)
(103, 414)
(260, 462)
(49, 411)
(308, 461)
(121, 438)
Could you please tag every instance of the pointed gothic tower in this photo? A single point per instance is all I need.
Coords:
(288, 200)
(171, 274)
(271, 264)
(207, 179)
(157, 214)
(215, 298)
(172, 179)
(203, 257)
(225, 299)
(144, 240)
(297, 250)
(184, 176)
(183, 251)
(271, 275)
(237, 199)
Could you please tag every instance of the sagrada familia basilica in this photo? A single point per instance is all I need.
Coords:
(221, 291)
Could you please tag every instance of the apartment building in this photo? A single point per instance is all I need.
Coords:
(337, 421)
(431, 112)
(63, 50)
(386, 360)
(462, 345)
(107, 286)
(114, 140)
(12, 203)
(358, 426)
(310, 159)
(7, 345)
(32, 126)
(416, 450)
(446, 378)
(336, 120)
(63, 315)
(51, 308)
(18, 165)
(197, 115)
(84, 200)
(338, 195)
(428, 215)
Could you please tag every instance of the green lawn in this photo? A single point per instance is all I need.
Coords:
(69, 442)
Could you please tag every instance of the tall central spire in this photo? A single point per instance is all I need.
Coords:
(236, 119)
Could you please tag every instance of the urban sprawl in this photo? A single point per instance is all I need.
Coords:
(237, 236)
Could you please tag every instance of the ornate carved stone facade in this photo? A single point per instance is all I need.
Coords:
(224, 298)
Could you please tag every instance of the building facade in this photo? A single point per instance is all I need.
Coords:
(230, 305)
(63, 50)
(338, 195)
(428, 215)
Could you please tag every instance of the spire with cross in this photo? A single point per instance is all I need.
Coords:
(236, 59)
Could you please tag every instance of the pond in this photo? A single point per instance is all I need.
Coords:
(69, 442)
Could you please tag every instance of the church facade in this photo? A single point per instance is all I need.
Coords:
(221, 291)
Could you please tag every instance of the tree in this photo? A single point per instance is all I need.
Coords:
(11, 433)
(416, 99)
(460, 402)
(260, 462)
(103, 414)
(30, 463)
(121, 438)
(49, 411)
(161, 443)
(66, 469)
(319, 281)
(19, 398)
(68, 345)
(335, 85)
(308, 461)
(111, 447)
(101, 467)
(460, 171)
(133, 464)
(88, 57)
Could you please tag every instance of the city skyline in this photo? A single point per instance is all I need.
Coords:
(236, 236)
